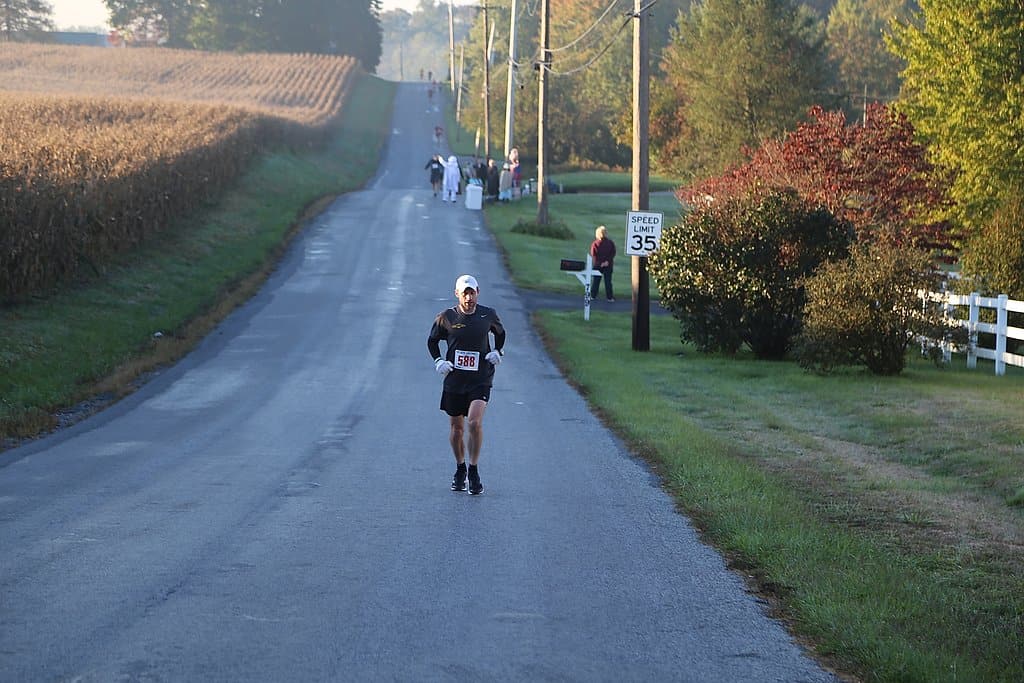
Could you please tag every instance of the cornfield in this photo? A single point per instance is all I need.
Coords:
(102, 148)
(308, 89)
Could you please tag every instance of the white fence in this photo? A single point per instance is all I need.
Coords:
(1002, 331)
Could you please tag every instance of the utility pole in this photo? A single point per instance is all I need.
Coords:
(451, 46)
(542, 113)
(641, 171)
(458, 97)
(510, 92)
(487, 86)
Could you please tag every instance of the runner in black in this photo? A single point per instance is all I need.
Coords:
(436, 173)
(468, 370)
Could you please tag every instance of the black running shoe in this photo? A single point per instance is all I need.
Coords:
(475, 487)
(459, 480)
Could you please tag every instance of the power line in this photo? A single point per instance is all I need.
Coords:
(629, 17)
(587, 32)
(593, 60)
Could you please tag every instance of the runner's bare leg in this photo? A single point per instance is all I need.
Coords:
(455, 438)
(476, 429)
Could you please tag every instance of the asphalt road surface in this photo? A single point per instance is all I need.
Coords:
(276, 506)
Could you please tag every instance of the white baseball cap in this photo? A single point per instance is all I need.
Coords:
(466, 282)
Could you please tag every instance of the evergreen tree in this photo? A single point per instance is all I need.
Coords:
(350, 27)
(963, 88)
(228, 25)
(423, 35)
(738, 73)
(24, 19)
(821, 8)
(164, 22)
(856, 43)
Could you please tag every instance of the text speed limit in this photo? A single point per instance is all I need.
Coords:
(643, 232)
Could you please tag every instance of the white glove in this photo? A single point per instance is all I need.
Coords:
(493, 357)
(443, 366)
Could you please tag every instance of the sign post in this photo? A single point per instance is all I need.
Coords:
(641, 169)
(643, 234)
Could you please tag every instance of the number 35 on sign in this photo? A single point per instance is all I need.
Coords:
(643, 232)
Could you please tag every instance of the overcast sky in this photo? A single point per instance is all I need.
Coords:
(94, 13)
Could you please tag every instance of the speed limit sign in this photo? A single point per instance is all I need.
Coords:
(643, 232)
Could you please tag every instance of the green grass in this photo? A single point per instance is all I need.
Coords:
(876, 512)
(533, 261)
(609, 181)
(96, 335)
(460, 140)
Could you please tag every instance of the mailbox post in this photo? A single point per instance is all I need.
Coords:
(585, 273)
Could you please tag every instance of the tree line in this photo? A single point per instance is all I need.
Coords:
(883, 133)
(344, 27)
(727, 74)
(731, 75)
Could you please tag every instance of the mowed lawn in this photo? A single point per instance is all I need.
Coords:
(883, 517)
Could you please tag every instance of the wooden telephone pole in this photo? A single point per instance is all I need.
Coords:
(451, 46)
(542, 113)
(510, 109)
(641, 172)
(487, 86)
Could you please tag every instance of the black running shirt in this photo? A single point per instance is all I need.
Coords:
(468, 339)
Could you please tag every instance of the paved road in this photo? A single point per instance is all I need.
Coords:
(276, 506)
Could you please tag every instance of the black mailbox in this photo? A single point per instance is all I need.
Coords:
(572, 265)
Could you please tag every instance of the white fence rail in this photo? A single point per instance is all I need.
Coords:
(1002, 331)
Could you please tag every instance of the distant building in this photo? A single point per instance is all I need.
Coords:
(79, 38)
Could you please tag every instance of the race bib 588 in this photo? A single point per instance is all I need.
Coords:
(467, 360)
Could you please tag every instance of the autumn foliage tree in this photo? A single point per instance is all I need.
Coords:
(873, 175)
(825, 177)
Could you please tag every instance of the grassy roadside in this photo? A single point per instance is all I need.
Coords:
(884, 517)
(609, 181)
(96, 337)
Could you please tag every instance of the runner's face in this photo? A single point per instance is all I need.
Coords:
(467, 299)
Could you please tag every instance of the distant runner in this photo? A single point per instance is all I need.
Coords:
(468, 370)
(436, 173)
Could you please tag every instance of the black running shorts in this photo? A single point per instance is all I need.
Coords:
(458, 404)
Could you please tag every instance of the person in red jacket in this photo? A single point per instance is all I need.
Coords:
(602, 252)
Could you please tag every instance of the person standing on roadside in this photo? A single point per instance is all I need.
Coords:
(514, 167)
(452, 177)
(602, 252)
(493, 177)
(468, 370)
(505, 184)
